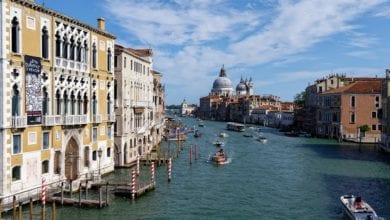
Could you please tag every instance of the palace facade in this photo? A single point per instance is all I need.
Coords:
(57, 96)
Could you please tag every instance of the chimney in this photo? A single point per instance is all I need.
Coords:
(101, 24)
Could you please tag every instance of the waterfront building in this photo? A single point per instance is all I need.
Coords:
(139, 100)
(385, 137)
(57, 98)
(186, 109)
(342, 111)
(158, 116)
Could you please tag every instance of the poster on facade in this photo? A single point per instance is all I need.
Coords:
(33, 89)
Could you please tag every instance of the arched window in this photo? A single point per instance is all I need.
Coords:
(58, 103)
(108, 103)
(65, 44)
(79, 102)
(15, 101)
(72, 47)
(45, 43)
(45, 102)
(85, 49)
(85, 107)
(72, 104)
(15, 38)
(78, 50)
(94, 104)
(45, 166)
(109, 55)
(58, 44)
(65, 103)
(16, 173)
(94, 61)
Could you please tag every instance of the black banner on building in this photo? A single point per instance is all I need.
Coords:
(33, 89)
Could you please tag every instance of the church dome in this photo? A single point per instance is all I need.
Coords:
(241, 87)
(222, 85)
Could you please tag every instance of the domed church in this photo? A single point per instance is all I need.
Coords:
(222, 86)
(245, 87)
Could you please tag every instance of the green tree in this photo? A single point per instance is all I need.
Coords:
(299, 99)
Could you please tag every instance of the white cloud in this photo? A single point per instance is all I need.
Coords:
(192, 39)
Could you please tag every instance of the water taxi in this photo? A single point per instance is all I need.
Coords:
(262, 139)
(222, 134)
(219, 157)
(218, 143)
(356, 208)
(201, 124)
(247, 135)
(235, 126)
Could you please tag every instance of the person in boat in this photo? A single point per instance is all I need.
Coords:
(358, 202)
(221, 153)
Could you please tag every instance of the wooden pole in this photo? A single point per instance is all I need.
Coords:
(53, 210)
(1, 207)
(62, 193)
(190, 154)
(43, 217)
(14, 208)
(71, 188)
(107, 193)
(20, 210)
(31, 208)
(86, 189)
(100, 196)
(80, 194)
(196, 151)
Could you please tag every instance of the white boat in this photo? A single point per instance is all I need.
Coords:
(357, 209)
(235, 126)
(222, 134)
(218, 143)
(262, 139)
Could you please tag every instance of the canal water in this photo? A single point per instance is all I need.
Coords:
(285, 178)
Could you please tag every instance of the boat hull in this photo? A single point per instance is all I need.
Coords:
(350, 210)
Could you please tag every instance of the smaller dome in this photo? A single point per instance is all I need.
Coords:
(241, 87)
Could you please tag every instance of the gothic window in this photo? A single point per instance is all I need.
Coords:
(72, 47)
(15, 101)
(79, 102)
(72, 104)
(78, 51)
(85, 107)
(94, 155)
(58, 44)
(94, 61)
(109, 55)
(65, 47)
(58, 103)
(108, 103)
(15, 35)
(94, 104)
(45, 102)
(85, 52)
(45, 43)
(65, 103)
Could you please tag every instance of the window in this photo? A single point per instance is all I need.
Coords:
(45, 102)
(65, 47)
(373, 127)
(94, 134)
(94, 104)
(86, 156)
(109, 132)
(15, 38)
(331, 81)
(124, 62)
(115, 61)
(45, 140)
(352, 118)
(109, 55)
(45, 43)
(16, 140)
(15, 101)
(320, 89)
(57, 161)
(78, 51)
(380, 127)
(16, 173)
(94, 155)
(45, 166)
(94, 61)
(72, 47)
(373, 114)
(109, 152)
(377, 101)
(58, 45)
(352, 101)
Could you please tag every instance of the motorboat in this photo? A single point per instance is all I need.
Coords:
(262, 139)
(201, 124)
(197, 134)
(247, 135)
(222, 134)
(357, 209)
(219, 157)
(218, 143)
(235, 126)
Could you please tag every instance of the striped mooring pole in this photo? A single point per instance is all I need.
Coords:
(169, 169)
(43, 192)
(152, 171)
(133, 176)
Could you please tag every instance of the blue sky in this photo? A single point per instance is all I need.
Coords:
(282, 44)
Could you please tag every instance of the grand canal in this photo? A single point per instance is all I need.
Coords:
(285, 178)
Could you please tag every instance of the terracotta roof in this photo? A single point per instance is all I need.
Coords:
(138, 52)
(358, 87)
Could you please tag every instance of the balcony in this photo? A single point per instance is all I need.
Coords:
(97, 118)
(111, 118)
(71, 64)
(51, 120)
(143, 104)
(74, 120)
(19, 121)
